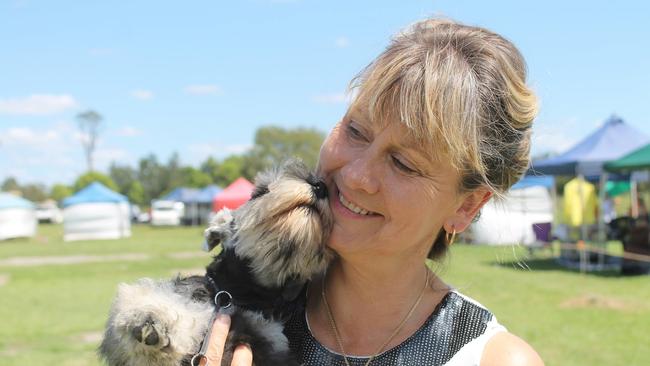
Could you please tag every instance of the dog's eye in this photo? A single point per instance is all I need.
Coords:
(259, 191)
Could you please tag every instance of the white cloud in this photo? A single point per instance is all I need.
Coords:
(142, 94)
(553, 138)
(26, 136)
(342, 42)
(47, 154)
(552, 142)
(51, 154)
(203, 89)
(332, 98)
(38, 104)
(128, 131)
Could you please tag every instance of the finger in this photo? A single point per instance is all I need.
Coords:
(217, 340)
(243, 356)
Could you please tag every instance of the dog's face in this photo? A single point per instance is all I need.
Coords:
(283, 229)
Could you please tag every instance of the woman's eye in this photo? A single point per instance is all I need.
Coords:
(402, 166)
(355, 133)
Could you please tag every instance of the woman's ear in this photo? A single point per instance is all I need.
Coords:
(470, 205)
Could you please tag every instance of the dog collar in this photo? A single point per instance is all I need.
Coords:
(222, 298)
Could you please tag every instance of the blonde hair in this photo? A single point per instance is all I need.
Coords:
(461, 92)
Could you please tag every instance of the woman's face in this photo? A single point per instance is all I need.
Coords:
(386, 194)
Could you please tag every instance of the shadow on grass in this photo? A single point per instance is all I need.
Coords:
(553, 264)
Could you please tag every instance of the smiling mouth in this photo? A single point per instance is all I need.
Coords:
(352, 207)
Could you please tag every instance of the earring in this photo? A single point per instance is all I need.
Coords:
(450, 238)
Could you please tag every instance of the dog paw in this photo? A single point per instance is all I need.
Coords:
(150, 333)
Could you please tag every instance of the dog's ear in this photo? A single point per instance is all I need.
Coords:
(221, 228)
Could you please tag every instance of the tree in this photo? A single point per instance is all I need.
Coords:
(34, 192)
(276, 144)
(173, 172)
(60, 191)
(152, 177)
(135, 193)
(194, 178)
(123, 176)
(225, 172)
(10, 184)
(89, 122)
(90, 177)
(210, 167)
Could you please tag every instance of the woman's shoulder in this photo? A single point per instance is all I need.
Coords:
(498, 347)
(506, 349)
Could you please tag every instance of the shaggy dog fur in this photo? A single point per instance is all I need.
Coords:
(271, 246)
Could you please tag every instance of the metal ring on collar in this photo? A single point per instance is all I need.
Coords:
(196, 360)
(223, 299)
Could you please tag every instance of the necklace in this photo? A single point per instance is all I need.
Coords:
(399, 327)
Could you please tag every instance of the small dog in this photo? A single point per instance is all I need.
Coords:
(271, 246)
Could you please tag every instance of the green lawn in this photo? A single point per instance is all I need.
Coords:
(52, 314)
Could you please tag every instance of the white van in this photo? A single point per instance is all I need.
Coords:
(166, 213)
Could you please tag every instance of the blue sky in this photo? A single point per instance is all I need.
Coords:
(199, 77)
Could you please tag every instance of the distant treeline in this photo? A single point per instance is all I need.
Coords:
(152, 178)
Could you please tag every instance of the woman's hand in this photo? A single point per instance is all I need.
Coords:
(242, 355)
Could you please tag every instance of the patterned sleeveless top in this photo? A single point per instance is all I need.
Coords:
(454, 335)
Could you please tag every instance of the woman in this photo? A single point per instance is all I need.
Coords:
(440, 123)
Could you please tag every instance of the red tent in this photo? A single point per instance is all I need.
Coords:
(235, 195)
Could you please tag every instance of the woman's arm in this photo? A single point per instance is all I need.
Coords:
(242, 355)
(506, 349)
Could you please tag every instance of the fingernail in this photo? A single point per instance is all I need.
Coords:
(244, 346)
(223, 318)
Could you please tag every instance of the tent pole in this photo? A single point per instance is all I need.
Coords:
(583, 209)
(601, 219)
(555, 209)
(583, 226)
(634, 196)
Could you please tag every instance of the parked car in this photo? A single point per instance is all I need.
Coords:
(166, 213)
(48, 211)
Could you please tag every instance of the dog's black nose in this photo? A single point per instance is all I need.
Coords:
(320, 189)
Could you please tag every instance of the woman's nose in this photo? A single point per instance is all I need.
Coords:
(360, 174)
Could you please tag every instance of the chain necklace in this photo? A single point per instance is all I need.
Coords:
(335, 330)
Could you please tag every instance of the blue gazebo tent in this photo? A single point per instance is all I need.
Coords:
(587, 158)
(534, 181)
(198, 202)
(96, 212)
(611, 141)
(94, 192)
(182, 194)
(207, 194)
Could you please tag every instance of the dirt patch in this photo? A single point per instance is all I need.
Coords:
(188, 255)
(70, 259)
(185, 272)
(12, 350)
(89, 337)
(600, 302)
(4, 279)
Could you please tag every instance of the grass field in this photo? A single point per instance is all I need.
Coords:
(52, 312)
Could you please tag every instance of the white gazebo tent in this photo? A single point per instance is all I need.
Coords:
(17, 217)
(96, 212)
(510, 221)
